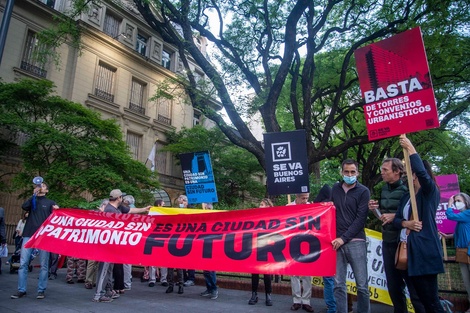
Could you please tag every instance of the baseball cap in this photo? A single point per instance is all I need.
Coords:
(116, 193)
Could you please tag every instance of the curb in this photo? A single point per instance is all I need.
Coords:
(460, 303)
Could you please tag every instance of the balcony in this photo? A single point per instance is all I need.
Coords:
(164, 120)
(33, 69)
(136, 108)
(104, 95)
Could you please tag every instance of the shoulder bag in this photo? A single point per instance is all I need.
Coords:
(461, 255)
(401, 256)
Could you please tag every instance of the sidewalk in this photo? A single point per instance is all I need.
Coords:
(62, 297)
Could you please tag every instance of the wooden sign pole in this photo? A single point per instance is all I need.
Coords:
(409, 174)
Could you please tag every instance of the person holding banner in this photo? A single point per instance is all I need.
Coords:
(182, 203)
(392, 170)
(301, 291)
(39, 208)
(351, 200)
(92, 265)
(265, 203)
(151, 272)
(104, 278)
(420, 232)
(189, 274)
(461, 203)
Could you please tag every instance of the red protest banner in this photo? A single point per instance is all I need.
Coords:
(396, 86)
(289, 240)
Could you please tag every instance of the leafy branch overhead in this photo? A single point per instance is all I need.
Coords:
(292, 62)
(296, 60)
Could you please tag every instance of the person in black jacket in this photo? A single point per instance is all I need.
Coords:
(351, 200)
(424, 248)
(393, 190)
(39, 208)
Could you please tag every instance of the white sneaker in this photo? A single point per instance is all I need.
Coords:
(188, 283)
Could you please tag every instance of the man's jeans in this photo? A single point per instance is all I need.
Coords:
(354, 253)
(24, 264)
(211, 280)
(328, 294)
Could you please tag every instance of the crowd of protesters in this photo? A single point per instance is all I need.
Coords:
(352, 201)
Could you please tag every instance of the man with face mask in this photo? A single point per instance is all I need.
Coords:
(351, 201)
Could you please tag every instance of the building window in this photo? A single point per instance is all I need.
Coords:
(161, 159)
(104, 86)
(49, 3)
(141, 45)
(164, 111)
(162, 195)
(33, 60)
(166, 59)
(196, 118)
(176, 169)
(136, 103)
(111, 25)
(134, 143)
(58, 5)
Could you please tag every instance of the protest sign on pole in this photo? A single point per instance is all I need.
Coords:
(449, 186)
(396, 86)
(286, 162)
(198, 177)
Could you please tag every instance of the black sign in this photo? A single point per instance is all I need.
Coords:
(286, 162)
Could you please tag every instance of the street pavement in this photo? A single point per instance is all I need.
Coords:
(67, 298)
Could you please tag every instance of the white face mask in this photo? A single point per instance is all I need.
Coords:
(181, 205)
(460, 206)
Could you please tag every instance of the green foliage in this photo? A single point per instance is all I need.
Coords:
(69, 145)
(235, 170)
(292, 61)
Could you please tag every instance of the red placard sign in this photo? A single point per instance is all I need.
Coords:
(288, 240)
(396, 86)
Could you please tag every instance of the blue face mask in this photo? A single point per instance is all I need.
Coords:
(349, 180)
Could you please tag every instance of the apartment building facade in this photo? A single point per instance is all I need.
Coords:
(117, 71)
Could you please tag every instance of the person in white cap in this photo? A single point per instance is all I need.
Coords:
(104, 285)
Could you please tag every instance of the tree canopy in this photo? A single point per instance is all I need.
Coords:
(263, 47)
(76, 152)
(293, 62)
